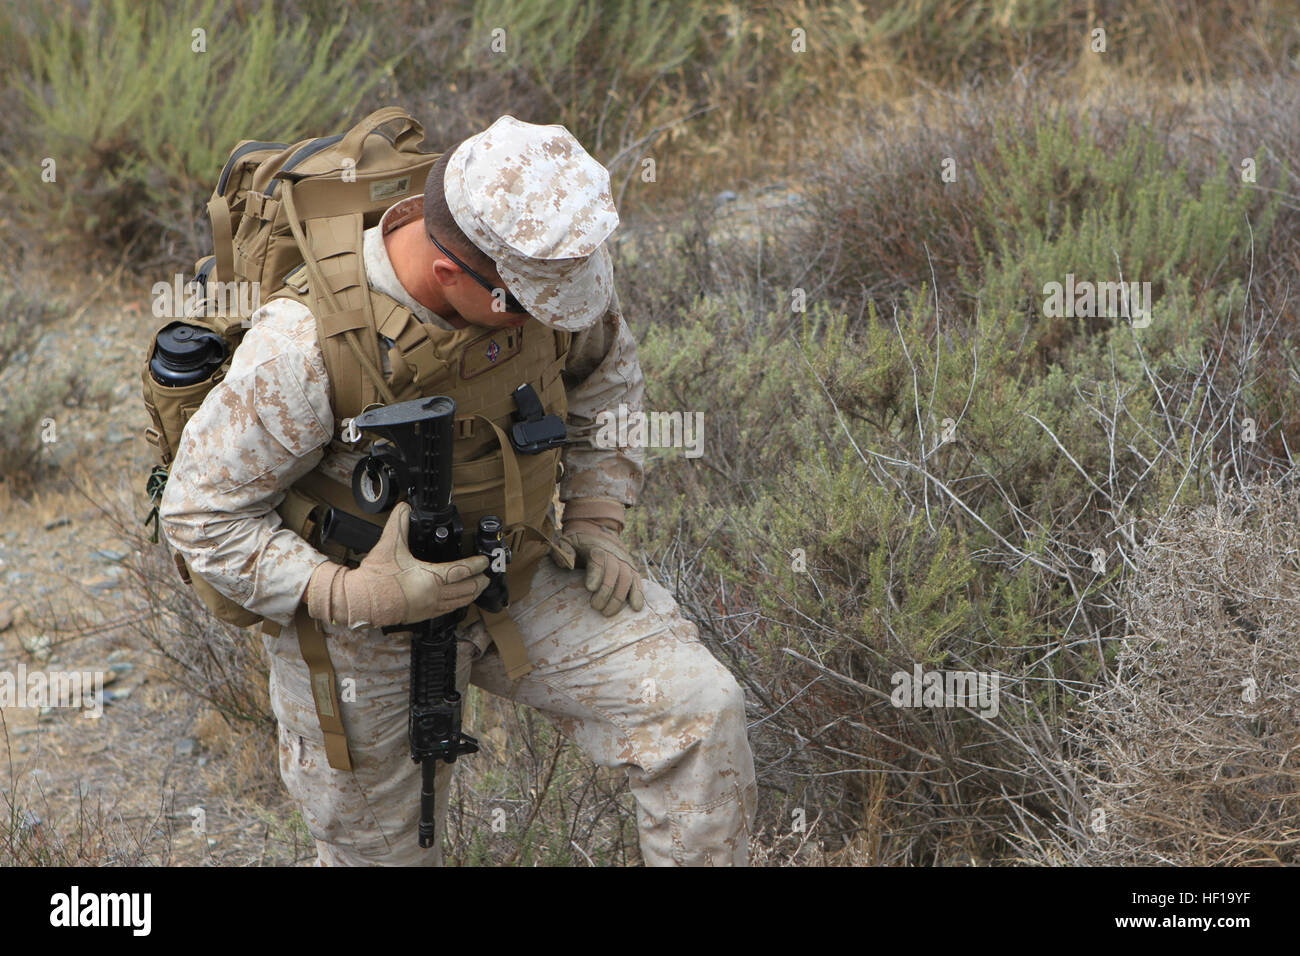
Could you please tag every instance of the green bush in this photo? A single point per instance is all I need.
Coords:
(1060, 201)
(832, 535)
(610, 73)
(828, 535)
(956, 41)
(139, 120)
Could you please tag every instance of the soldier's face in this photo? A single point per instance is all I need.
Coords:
(475, 304)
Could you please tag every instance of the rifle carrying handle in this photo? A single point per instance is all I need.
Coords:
(406, 139)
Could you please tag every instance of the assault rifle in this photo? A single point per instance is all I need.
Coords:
(412, 459)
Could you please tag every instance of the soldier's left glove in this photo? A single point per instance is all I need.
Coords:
(612, 574)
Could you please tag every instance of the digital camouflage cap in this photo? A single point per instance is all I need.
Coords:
(539, 205)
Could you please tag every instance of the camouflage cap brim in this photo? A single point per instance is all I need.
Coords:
(566, 294)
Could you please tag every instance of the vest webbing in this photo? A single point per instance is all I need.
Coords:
(477, 368)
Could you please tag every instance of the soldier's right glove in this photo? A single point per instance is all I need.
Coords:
(391, 586)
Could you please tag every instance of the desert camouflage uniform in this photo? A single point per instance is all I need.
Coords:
(637, 690)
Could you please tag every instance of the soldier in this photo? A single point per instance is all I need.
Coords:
(516, 217)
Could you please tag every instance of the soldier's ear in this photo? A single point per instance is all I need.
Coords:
(445, 273)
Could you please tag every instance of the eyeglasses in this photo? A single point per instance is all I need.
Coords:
(512, 304)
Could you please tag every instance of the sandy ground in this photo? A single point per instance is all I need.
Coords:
(120, 788)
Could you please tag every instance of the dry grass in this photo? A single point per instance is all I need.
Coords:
(1191, 745)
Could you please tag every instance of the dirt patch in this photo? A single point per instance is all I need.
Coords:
(160, 778)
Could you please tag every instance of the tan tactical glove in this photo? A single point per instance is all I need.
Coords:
(391, 586)
(612, 573)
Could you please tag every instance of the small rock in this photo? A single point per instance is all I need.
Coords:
(186, 747)
(726, 195)
(107, 554)
(121, 668)
(57, 523)
(105, 582)
(38, 645)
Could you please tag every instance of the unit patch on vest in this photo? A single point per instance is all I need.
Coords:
(490, 351)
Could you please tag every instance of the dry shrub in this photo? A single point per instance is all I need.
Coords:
(36, 379)
(529, 798)
(188, 647)
(33, 832)
(1193, 742)
(220, 664)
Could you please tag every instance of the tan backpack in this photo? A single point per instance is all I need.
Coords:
(277, 207)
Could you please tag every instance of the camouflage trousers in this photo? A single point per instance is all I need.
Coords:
(637, 690)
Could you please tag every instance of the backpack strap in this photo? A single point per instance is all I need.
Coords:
(311, 643)
(414, 358)
(345, 325)
(222, 238)
(341, 304)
